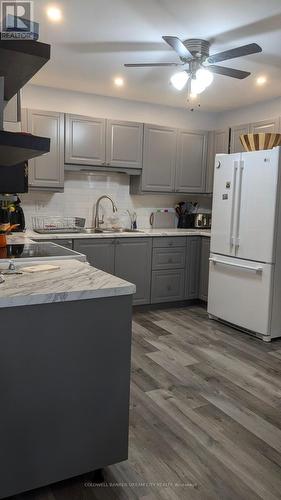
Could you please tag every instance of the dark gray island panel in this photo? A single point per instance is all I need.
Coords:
(64, 385)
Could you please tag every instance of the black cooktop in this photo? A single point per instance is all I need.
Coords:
(34, 250)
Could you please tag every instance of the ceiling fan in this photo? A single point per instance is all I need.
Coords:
(198, 65)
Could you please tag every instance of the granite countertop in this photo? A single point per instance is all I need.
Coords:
(143, 233)
(74, 280)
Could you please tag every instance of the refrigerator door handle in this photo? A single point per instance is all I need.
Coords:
(238, 206)
(234, 183)
(239, 266)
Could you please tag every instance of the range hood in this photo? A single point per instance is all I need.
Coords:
(19, 62)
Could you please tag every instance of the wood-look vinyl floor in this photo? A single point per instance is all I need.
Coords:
(205, 419)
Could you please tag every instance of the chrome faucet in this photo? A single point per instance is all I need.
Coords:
(97, 220)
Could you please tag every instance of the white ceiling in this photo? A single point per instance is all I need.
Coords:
(97, 37)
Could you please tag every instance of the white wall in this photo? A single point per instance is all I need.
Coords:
(247, 114)
(67, 101)
(82, 190)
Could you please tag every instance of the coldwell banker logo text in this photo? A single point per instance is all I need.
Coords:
(16, 20)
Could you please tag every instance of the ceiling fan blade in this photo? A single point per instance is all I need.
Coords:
(233, 73)
(147, 65)
(178, 46)
(245, 50)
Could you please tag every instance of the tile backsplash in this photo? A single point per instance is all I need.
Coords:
(82, 190)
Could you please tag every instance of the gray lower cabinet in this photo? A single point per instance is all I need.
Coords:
(99, 253)
(204, 269)
(46, 171)
(167, 285)
(127, 258)
(133, 264)
(191, 161)
(168, 269)
(192, 269)
(84, 140)
(168, 258)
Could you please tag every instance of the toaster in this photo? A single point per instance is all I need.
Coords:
(203, 221)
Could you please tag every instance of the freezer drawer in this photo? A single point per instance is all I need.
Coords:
(240, 292)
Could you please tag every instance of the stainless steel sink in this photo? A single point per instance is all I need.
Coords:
(92, 230)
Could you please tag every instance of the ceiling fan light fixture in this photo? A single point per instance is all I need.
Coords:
(179, 80)
(204, 76)
(196, 87)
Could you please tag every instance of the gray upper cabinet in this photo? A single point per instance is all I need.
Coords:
(218, 142)
(159, 158)
(12, 110)
(235, 144)
(271, 125)
(204, 269)
(46, 171)
(84, 140)
(191, 161)
(99, 253)
(265, 126)
(124, 144)
(133, 263)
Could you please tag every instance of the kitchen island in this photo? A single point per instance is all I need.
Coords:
(65, 373)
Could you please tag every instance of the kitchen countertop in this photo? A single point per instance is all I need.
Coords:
(74, 280)
(143, 233)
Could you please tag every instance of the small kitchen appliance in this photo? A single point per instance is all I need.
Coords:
(202, 221)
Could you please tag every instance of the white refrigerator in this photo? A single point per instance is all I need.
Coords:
(245, 259)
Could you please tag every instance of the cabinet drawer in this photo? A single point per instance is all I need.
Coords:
(167, 286)
(169, 242)
(168, 258)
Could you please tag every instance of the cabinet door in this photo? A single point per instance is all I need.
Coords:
(99, 253)
(46, 171)
(133, 264)
(192, 268)
(84, 140)
(191, 161)
(267, 126)
(204, 269)
(159, 158)
(218, 142)
(235, 144)
(124, 144)
(167, 286)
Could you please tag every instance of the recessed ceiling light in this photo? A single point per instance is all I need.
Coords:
(119, 82)
(54, 14)
(261, 80)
